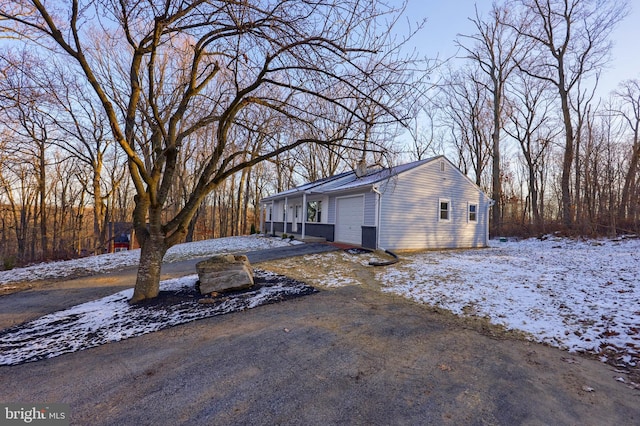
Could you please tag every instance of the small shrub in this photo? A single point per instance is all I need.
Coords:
(284, 236)
(253, 229)
(9, 263)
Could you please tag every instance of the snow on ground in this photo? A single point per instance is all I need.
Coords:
(583, 296)
(115, 261)
(341, 264)
(112, 319)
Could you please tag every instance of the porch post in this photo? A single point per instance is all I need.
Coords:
(286, 214)
(304, 213)
(271, 217)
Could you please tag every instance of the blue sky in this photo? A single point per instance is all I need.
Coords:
(446, 19)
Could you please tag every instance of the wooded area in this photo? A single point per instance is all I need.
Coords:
(125, 131)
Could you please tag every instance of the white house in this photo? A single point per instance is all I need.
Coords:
(427, 204)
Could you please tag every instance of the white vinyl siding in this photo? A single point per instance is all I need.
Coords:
(370, 207)
(410, 210)
(331, 213)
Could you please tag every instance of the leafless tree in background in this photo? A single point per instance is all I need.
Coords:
(531, 123)
(569, 43)
(202, 64)
(628, 97)
(240, 103)
(493, 47)
(468, 110)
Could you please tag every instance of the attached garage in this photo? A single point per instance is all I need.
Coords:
(349, 219)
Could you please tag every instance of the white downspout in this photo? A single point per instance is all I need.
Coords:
(486, 235)
(378, 230)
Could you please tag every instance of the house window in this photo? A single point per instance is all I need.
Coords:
(442, 166)
(473, 213)
(314, 211)
(284, 213)
(445, 209)
(270, 213)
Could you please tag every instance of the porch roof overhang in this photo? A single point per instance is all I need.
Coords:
(345, 182)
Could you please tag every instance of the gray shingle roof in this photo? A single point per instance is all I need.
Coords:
(348, 180)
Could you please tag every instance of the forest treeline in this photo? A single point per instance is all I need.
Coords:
(517, 111)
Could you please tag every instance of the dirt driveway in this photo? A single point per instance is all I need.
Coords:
(347, 355)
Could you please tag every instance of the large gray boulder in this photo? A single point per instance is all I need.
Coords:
(224, 273)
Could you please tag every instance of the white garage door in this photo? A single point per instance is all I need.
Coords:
(349, 219)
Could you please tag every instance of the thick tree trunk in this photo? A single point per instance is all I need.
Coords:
(567, 161)
(42, 188)
(148, 280)
(629, 180)
(496, 182)
(148, 228)
(155, 240)
(99, 244)
(495, 136)
(535, 210)
(191, 229)
(245, 204)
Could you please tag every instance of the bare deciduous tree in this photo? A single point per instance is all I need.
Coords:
(628, 95)
(468, 111)
(201, 64)
(531, 125)
(26, 109)
(493, 48)
(569, 41)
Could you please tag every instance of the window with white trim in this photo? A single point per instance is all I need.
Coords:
(444, 211)
(472, 211)
(314, 211)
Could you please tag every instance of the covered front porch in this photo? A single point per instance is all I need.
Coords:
(300, 237)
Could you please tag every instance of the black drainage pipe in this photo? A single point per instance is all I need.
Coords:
(388, 262)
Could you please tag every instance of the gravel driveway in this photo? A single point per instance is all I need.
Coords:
(349, 355)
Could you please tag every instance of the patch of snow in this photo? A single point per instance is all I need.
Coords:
(126, 259)
(112, 319)
(578, 295)
(341, 264)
